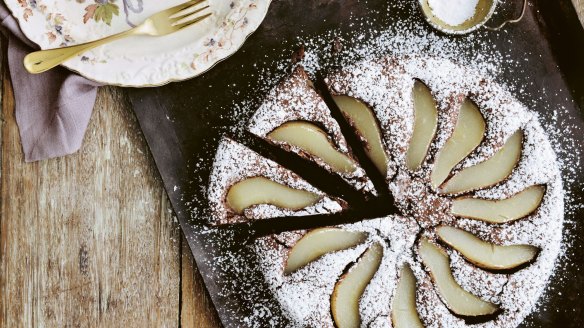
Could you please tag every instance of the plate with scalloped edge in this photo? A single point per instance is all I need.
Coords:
(139, 61)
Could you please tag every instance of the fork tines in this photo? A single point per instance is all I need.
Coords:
(190, 12)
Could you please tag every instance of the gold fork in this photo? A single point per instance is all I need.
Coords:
(161, 23)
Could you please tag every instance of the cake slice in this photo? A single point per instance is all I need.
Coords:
(367, 96)
(296, 118)
(246, 186)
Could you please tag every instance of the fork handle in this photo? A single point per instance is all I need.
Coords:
(44, 60)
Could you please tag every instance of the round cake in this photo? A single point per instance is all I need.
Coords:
(463, 174)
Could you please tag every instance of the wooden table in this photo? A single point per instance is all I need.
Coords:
(89, 239)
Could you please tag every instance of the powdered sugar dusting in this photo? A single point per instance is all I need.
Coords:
(452, 70)
(233, 163)
(305, 294)
(295, 100)
(386, 85)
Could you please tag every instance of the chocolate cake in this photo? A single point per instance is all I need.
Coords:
(295, 100)
(470, 169)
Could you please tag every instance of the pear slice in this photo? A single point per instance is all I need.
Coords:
(319, 242)
(467, 135)
(403, 308)
(456, 299)
(425, 125)
(350, 287)
(260, 190)
(364, 122)
(500, 211)
(487, 173)
(314, 141)
(483, 254)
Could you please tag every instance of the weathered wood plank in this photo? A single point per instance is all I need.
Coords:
(87, 240)
(196, 308)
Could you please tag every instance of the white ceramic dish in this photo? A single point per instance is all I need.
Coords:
(138, 61)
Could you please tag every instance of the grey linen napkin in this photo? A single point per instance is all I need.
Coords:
(53, 108)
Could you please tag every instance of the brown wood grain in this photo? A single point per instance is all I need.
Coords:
(89, 240)
(196, 308)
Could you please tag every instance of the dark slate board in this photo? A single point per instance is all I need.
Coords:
(180, 133)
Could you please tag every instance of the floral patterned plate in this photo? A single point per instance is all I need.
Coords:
(138, 61)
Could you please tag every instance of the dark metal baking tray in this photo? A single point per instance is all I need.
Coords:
(183, 121)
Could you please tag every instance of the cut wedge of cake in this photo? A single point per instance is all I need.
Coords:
(295, 117)
(246, 186)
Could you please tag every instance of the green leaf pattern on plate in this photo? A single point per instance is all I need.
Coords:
(101, 10)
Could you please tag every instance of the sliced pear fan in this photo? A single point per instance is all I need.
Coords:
(425, 125)
(500, 211)
(319, 242)
(350, 287)
(487, 173)
(457, 299)
(483, 254)
(314, 141)
(467, 135)
(260, 190)
(364, 122)
(403, 306)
